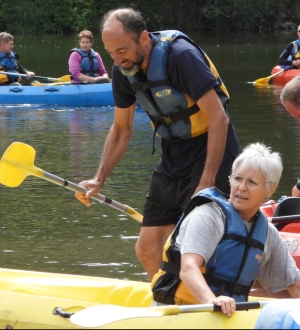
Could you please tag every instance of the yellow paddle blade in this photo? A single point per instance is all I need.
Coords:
(62, 80)
(101, 315)
(262, 81)
(50, 84)
(17, 163)
(66, 78)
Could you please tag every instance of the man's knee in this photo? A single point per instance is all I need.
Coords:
(142, 250)
(145, 250)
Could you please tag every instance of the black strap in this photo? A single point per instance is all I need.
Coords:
(225, 286)
(175, 117)
(142, 86)
(170, 268)
(245, 240)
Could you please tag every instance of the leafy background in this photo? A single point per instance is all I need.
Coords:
(64, 17)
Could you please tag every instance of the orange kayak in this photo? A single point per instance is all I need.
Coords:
(287, 222)
(284, 77)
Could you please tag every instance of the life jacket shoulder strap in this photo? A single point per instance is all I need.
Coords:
(296, 47)
(175, 117)
(142, 86)
(249, 241)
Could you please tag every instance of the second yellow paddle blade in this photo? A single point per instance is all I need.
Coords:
(17, 163)
(261, 81)
(66, 78)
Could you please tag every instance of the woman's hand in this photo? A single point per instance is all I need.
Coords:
(100, 80)
(227, 304)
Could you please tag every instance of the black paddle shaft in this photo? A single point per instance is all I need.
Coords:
(211, 307)
(243, 305)
(286, 219)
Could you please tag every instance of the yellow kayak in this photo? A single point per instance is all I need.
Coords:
(36, 300)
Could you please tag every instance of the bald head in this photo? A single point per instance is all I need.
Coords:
(291, 93)
(127, 19)
(290, 97)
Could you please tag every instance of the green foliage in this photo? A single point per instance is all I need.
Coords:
(60, 17)
(44, 17)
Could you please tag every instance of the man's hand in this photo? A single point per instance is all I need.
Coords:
(30, 74)
(296, 63)
(295, 192)
(93, 188)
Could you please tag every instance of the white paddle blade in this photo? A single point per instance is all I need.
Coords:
(97, 316)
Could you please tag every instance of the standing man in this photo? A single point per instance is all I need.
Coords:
(180, 90)
(290, 98)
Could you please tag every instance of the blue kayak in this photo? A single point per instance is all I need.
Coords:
(62, 95)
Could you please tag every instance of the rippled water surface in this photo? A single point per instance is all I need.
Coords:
(44, 228)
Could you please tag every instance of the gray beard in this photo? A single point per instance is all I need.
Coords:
(132, 71)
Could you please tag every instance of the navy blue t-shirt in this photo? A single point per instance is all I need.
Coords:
(187, 71)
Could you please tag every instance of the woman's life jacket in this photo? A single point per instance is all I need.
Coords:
(294, 55)
(233, 267)
(8, 63)
(174, 115)
(89, 65)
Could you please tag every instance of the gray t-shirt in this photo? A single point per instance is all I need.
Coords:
(203, 229)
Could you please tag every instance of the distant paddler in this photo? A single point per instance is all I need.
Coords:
(9, 61)
(84, 63)
(290, 57)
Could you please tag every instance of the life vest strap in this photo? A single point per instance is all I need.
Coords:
(233, 288)
(175, 117)
(170, 268)
(245, 240)
(142, 86)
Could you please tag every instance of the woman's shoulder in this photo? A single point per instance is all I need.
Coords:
(273, 234)
(209, 213)
(74, 54)
(272, 228)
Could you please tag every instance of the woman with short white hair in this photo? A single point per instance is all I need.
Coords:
(221, 247)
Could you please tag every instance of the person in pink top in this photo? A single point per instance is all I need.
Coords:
(84, 63)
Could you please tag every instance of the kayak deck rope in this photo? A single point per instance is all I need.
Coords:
(62, 313)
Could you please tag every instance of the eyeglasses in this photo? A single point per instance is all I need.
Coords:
(251, 183)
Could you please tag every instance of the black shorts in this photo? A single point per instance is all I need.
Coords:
(168, 197)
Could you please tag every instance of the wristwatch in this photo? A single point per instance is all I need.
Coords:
(298, 185)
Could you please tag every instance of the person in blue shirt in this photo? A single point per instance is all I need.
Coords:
(9, 61)
(290, 57)
(179, 88)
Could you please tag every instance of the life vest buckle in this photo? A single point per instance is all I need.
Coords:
(167, 119)
(235, 288)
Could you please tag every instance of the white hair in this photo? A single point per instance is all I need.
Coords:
(259, 157)
(291, 92)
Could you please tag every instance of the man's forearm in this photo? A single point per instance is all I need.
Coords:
(215, 151)
(115, 146)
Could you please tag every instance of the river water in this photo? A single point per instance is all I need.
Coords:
(44, 228)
